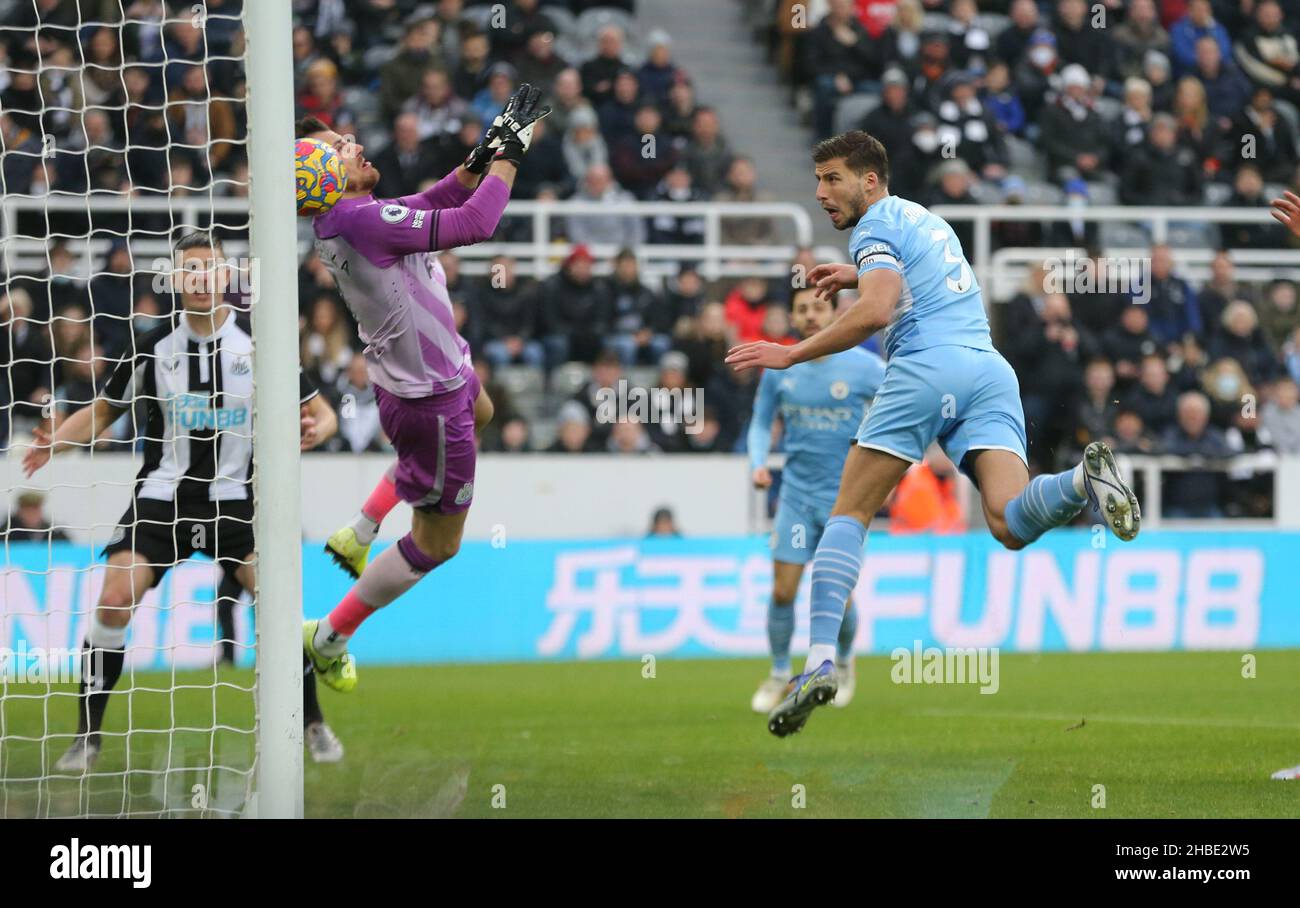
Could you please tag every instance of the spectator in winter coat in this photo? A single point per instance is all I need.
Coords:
(1073, 134)
(1194, 493)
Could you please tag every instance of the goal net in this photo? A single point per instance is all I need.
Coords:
(125, 126)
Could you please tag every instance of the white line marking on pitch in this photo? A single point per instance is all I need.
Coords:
(1101, 717)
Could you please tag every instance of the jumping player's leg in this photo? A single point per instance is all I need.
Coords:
(435, 443)
(870, 474)
(434, 539)
(1018, 509)
(991, 429)
(349, 546)
(796, 533)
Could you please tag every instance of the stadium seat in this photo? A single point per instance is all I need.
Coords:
(1217, 193)
(567, 378)
(937, 22)
(479, 16)
(1039, 192)
(986, 193)
(1101, 193)
(1025, 160)
(993, 23)
(591, 21)
(642, 376)
(542, 433)
(1193, 236)
(523, 382)
(851, 110)
(571, 47)
(566, 23)
(1109, 109)
(1122, 234)
(375, 58)
(1288, 112)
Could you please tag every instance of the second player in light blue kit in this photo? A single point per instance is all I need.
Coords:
(944, 382)
(821, 404)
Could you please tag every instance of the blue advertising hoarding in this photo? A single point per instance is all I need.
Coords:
(1071, 591)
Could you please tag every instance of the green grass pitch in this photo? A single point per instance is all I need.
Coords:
(1167, 735)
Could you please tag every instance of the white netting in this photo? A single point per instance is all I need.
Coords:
(122, 128)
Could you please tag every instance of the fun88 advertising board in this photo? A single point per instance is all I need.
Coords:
(707, 597)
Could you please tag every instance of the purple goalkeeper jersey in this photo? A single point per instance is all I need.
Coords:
(381, 253)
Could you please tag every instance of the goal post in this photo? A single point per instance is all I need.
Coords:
(273, 251)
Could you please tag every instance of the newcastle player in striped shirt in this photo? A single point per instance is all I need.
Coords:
(381, 254)
(194, 493)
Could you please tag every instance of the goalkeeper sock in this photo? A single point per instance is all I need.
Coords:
(397, 569)
(310, 703)
(834, 574)
(780, 628)
(1048, 501)
(105, 654)
(382, 499)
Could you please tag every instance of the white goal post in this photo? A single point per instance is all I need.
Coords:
(273, 245)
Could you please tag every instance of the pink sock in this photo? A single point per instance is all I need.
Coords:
(348, 614)
(383, 499)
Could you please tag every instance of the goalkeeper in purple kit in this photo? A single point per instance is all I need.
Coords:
(381, 253)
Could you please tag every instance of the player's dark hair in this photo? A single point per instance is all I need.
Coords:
(198, 239)
(795, 292)
(306, 126)
(862, 153)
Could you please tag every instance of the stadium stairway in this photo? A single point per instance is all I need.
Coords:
(713, 42)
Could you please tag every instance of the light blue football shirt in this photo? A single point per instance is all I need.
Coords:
(940, 302)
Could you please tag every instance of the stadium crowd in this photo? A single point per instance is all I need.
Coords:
(1015, 101)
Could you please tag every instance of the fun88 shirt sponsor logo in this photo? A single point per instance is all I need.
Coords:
(195, 413)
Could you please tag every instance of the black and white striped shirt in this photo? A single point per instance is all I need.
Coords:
(198, 396)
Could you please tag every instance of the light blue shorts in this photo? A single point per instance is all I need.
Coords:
(797, 529)
(965, 398)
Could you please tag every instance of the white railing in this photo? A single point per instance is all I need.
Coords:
(538, 257)
(1155, 220)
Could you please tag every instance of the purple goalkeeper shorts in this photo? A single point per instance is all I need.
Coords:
(434, 438)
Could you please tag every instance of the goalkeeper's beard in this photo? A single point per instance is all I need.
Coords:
(362, 181)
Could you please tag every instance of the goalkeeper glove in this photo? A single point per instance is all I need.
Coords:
(512, 131)
(480, 155)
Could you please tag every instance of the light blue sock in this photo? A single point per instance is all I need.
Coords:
(834, 574)
(848, 630)
(780, 628)
(1048, 501)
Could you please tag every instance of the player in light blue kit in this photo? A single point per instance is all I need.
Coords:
(821, 403)
(944, 381)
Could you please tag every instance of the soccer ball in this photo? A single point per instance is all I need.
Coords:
(321, 179)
